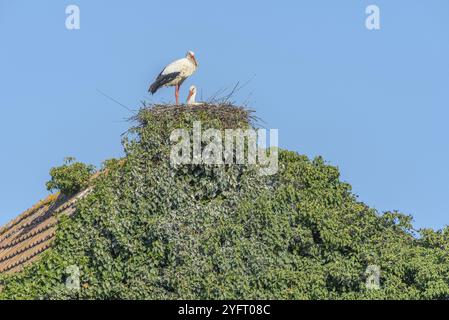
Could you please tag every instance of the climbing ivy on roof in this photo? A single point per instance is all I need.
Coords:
(151, 231)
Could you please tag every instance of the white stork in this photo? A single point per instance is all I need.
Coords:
(175, 74)
(191, 99)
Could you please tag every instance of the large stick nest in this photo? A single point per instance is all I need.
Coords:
(228, 114)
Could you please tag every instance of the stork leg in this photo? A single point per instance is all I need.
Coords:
(177, 94)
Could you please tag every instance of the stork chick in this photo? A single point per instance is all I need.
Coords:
(175, 74)
(191, 99)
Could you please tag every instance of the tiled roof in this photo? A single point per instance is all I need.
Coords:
(32, 233)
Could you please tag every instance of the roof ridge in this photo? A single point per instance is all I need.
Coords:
(34, 231)
(52, 198)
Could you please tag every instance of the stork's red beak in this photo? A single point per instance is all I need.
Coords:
(194, 61)
(190, 95)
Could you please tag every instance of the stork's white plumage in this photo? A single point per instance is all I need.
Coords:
(191, 99)
(175, 74)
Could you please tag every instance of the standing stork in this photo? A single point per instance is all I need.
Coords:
(175, 74)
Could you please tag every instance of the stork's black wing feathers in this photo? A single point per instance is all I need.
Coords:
(162, 80)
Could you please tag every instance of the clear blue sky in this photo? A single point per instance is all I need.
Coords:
(373, 103)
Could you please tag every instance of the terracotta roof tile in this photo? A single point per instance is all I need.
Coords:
(24, 239)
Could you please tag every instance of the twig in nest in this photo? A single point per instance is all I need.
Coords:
(114, 100)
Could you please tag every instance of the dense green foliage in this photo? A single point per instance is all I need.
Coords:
(151, 231)
(71, 177)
